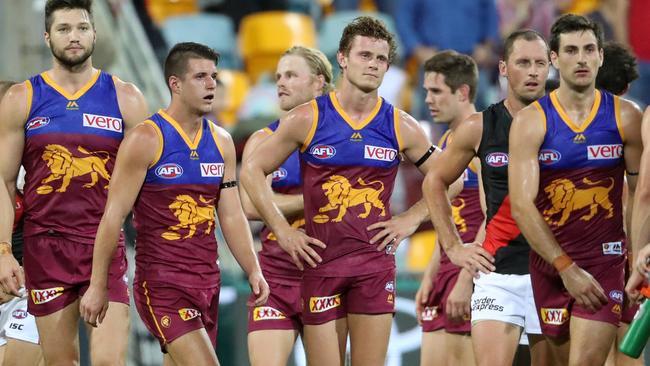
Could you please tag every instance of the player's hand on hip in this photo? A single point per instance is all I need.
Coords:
(458, 301)
(471, 257)
(298, 244)
(259, 287)
(634, 284)
(93, 305)
(392, 232)
(421, 297)
(584, 288)
(12, 277)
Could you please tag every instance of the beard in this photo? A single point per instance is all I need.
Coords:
(71, 62)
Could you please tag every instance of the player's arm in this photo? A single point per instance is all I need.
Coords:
(526, 138)
(636, 129)
(289, 204)
(136, 153)
(14, 110)
(415, 145)
(234, 225)
(290, 135)
(132, 103)
(445, 170)
(426, 285)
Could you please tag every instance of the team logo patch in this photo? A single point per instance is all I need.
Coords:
(379, 153)
(212, 170)
(190, 214)
(279, 175)
(457, 205)
(267, 313)
(556, 316)
(356, 137)
(486, 303)
(37, 122)
(194, 155)
(390, 286)
(322, 304)
(549, 156)
(497, 159)
(323, 151)
(600, 152)
(616, 296)
(169, 171)
(102, 122)
(188, 313)
(19, 314)
(566, 199)
(390, 299)
(166, 321)
(65, 166)
(616, 309)
(613, 248)
(46, 295)
(429, 313)
(341, 197)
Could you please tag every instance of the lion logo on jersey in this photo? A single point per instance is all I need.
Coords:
(341, 196)
(64, 166)
(566, 198)
(460, 222)
(190, 215)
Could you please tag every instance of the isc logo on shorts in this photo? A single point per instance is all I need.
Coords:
(188, 314)
(46, 295)
(430, 313)
(613, 248)
(102, 122)
(554, 316)
(267, 313)
(322, 304)
(212, 169)
(598, 152)
(379, 153)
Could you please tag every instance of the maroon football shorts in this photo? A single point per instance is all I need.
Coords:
(281, 311)
(329, 298)
(556, 307)
(170, 312)
(57, 272)
(434, 316)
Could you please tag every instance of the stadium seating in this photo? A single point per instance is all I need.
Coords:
(237, 85)
(263, 38)
(159, 10)
(214, 30)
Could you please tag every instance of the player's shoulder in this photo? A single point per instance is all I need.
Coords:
(126, 89)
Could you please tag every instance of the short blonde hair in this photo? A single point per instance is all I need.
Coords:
(317, 62)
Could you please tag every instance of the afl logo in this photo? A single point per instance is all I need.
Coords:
(549, 156)
(169, 171)
(279, 174)
(323, 151)
(19, 314)
(37, 122)
(497, 159)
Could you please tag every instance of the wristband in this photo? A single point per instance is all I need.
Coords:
(562, 262)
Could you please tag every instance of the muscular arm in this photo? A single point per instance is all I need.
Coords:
(526, 138)
(275, 149)
(446, 169)
(234, 226)
(14, 110)
(134, 156)
(136, 153)
(289, 204)
(132, 104)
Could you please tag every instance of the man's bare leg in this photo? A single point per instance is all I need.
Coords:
(325, 343)
(193, 348)
(109, 341)
(271, 347)
(369, 336)
(59, 336)
(495, 341)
